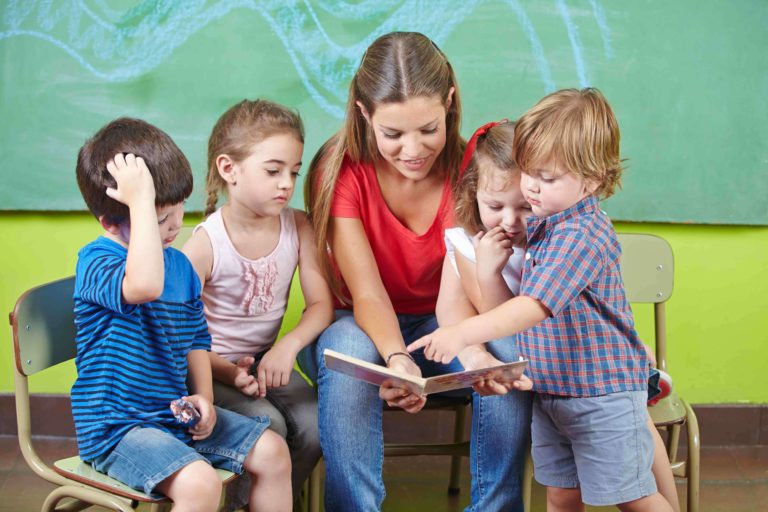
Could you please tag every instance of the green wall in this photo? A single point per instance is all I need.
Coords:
(718, 314)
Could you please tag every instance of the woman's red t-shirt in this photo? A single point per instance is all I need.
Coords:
(409, 264)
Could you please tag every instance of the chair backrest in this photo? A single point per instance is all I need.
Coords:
(43, 323)
(647, 268)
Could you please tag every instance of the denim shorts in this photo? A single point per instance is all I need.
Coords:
(147, 455)
(601, 445)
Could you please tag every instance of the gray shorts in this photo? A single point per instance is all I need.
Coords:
(598, 444)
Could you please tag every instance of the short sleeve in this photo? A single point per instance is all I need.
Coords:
(457, 240)
(346, 196)
(99, 279)
(568, 266)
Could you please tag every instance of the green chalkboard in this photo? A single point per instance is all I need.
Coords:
(688, 80)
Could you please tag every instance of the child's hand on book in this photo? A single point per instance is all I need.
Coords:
(442, 345)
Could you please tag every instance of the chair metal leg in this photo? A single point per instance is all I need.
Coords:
(89, 495)
(527, 481)
(460, 415)
(673, 440)
(314, 495)
(693, 465)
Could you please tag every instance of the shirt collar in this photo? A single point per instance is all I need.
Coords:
(586, 206)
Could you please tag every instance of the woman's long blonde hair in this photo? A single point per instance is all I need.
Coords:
(396, 67)
(235, 133)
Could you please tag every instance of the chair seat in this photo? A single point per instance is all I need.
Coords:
(75, 469)
(668, 411)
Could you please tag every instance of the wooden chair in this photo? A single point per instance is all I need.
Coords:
(44, 336)
(647, 267)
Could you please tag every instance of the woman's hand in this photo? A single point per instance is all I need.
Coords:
(400, 397)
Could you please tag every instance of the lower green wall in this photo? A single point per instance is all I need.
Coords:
(717, 317)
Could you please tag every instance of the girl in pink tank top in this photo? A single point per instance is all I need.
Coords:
(245, 254)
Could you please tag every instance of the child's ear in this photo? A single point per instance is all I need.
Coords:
(364, 111)
(226, 167)
(108, 226)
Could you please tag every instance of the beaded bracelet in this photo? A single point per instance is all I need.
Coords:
(406, 354)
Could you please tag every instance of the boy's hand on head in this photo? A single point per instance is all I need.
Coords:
(134, 182)
(243, 380)
(442, 345)
(397, 396)
(204, 427)
(275, 367)
(492, 250)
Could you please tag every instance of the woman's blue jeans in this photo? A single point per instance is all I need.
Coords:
(350, 415)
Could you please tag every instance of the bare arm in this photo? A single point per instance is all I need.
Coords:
(200, 253)
(144, 266)
(201, 388)
(511, 317)
(318, 301)
(492, 252)
(277, 364)
(373, 310)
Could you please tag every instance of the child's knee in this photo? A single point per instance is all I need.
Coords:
(269, 454)
(196, 486)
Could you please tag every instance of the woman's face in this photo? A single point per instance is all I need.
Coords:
(410, 135)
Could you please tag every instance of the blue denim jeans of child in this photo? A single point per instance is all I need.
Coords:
(350, 421)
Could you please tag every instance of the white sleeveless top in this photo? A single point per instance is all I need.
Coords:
(245, 299)
(456, 239)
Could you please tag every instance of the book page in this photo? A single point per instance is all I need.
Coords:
(503, 373)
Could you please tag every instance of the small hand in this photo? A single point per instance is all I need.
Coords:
(400, 397)
(134, 184)
(244, 381)
(442, 345)
(493, 250)
(276, 366)
(204, 427)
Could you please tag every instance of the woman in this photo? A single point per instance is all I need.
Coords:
(379, 195)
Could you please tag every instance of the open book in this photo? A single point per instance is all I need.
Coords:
(377, 374)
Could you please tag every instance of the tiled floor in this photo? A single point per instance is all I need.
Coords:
(734, 479)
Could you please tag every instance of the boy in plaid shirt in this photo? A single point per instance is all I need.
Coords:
(591, 442)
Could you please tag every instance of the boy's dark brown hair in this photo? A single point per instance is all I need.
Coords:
(168, 166)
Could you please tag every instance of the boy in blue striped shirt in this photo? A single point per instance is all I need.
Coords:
(142, 339)
(590, 439)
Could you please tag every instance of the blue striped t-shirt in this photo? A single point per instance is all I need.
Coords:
(131, 358)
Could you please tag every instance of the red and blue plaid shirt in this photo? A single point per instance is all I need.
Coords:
(589, 346)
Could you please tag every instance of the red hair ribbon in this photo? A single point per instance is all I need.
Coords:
(472, 143)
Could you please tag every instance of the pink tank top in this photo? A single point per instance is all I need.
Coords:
(245, 299)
